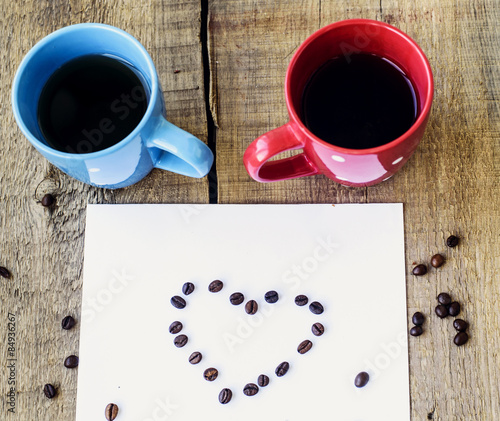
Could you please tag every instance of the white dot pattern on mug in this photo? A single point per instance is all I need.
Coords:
(397, 161)
(338, 158)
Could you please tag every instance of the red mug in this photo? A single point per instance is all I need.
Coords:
(351, 167)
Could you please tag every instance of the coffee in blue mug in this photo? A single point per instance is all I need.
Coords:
(88, 98)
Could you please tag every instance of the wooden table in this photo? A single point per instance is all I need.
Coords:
(229, 90)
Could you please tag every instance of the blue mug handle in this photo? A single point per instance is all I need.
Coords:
(182, 153)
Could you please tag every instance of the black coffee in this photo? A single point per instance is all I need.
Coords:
(358, 102)
(90, 103)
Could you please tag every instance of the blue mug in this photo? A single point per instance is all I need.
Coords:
(154, 143)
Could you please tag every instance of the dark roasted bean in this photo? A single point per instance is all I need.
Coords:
(441, 311)
(180, 341)
(225, 396)
(111, 411)
(282, 369)
(418, 319)
(460, 325)
(251, 389)
(316, 307)
(178, 302)
(187, 288)
(236, 298)
(317, 329)
(460, 339)
(452, 241)
(195, 357)
(263, 380)
(454, 309)
(47, 200)
(215, 286)
(271, 297)
(301, 300)
(4, 272)
(251, 307)
(175, 327)
(49, 390)
(361, 379)
(71, 361)
(304, 346)
(437, 260)
(210, 374)
(419, 270)
(416, 330)
(444, 298)
(67, 323)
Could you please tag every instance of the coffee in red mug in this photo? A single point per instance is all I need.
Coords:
(359, 94)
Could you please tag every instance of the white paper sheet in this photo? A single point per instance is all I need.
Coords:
(348, 257)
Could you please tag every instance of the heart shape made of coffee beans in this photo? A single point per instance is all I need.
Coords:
(251, 308)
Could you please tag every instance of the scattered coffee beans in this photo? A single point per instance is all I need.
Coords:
(418, 319)
(454, 309)
(187, 288)
(225, 396)
(444, 299)
(461, 338)
(175, 327)
(215, 286)
(316, 307)
(237, 298)
(301, 300)
(419, 270)
(178, 302)
(195, 357)
(49, 391)
(416, 330)
(437, 260)
(304, 346)
(452, 241)
(460, 325)
(251, 307)
(47, 200)
(4, 272)
(282, 369)
(250, 389)
(71, 361)
(441, 311)
(271, 297)
(361, 379)
(67, 323)
(180, 341)
(263, 380)
(210, 374)
(111, 411)
(317, 329)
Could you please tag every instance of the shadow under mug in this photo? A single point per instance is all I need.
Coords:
(153, 143)
(351, 167)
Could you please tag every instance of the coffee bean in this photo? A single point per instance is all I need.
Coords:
(271, 297)
(301, 300)
(282, 369)
(419, 270)
(49, 390)
(444, 299)
(195, 357)
(225, 396)
(454, 309)
(71, 361)
(361, 379)
(175, 327)
(441, 311)
(236, 298)
(418, 319)
(251, 389)
(210, 374)
(460, 325)
(215, 286)
(67, 323)
(461, 338)
(178, 302)
(317, 329)
(263, 380)
(304, 346)
(4, 272)
(452, 241)
(187, 288)
(180, 341)
(251, 307)
(437, 260)
(111, 411)
(416, 330)
(316, 307)
(47, 200)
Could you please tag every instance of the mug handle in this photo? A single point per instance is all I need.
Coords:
(270, 144)
(182, 153)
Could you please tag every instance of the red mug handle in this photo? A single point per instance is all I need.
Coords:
(271, 144)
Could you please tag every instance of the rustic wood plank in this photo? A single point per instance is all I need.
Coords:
(43, 248)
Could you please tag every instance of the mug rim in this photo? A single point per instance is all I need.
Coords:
(386, 146)
(49, 38)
